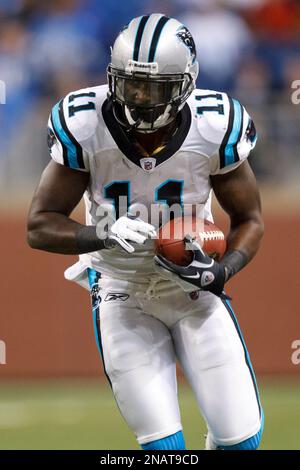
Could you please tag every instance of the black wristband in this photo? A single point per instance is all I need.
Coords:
(233, 261)
(87, 239)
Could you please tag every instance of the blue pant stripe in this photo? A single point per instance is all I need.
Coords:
(247, 357)
(94, 277)
(95, 319)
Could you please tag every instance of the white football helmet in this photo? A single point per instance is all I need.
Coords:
(152, 73)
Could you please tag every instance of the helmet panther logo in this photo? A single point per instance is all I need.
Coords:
(51, 138)
(96, 299)
(251, 131)
(185, 36)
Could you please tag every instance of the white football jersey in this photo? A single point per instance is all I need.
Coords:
(215, 136)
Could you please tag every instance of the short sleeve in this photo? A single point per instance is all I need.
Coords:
(239, 139)
(63, 145)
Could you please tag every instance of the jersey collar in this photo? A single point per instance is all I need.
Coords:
(122, 140)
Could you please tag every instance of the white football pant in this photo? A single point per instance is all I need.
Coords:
(144, 328)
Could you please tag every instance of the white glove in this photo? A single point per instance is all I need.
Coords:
(128, 228)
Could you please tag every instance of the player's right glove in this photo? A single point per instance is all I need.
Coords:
(128, 229)
(203, 273)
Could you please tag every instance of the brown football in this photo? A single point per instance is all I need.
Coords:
(170, 244)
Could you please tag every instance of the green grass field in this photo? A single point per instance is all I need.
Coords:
(83, 415)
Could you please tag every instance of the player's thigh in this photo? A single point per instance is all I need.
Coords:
(213, 355)
(139, 360)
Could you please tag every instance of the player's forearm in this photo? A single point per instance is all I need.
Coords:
(242, 245)
(57, 233)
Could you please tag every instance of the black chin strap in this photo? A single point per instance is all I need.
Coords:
(124, 123)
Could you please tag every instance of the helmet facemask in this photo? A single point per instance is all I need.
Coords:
(145, 101)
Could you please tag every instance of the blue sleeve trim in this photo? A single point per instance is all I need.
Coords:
(72, 150)
(228, 148)
(229, 308)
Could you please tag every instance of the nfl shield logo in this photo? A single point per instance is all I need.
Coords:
(148, 164)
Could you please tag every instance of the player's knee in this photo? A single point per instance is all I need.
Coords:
(252, 443)
(172, 442)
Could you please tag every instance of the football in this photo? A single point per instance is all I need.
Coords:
(170, 244)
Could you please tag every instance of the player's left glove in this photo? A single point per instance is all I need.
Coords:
(203, 272)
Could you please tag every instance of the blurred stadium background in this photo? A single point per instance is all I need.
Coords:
(52, 391)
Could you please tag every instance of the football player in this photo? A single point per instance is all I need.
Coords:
(150, 137)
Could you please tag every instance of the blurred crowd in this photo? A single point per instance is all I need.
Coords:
(48, 48)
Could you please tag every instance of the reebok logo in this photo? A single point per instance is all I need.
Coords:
(116, 296)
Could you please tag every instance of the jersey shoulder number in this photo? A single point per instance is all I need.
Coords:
(225, 124)
(71, 126)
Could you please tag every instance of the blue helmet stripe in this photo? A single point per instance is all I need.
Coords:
(138, 38)
(156, 35)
